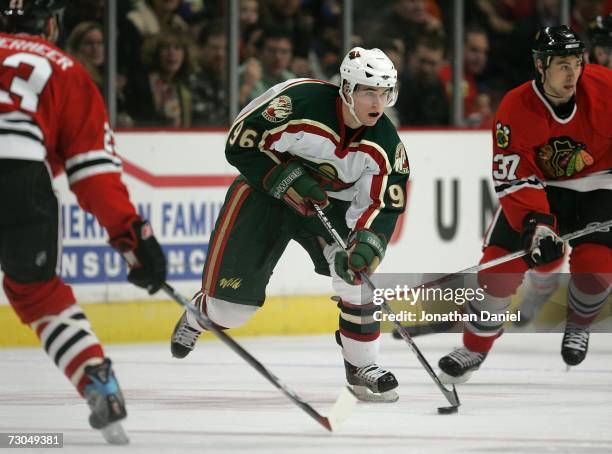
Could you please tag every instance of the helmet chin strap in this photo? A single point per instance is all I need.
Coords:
(351, 108)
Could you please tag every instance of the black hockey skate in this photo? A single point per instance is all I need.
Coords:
(371, 383)
(457, 367)
(184, 337)
(575, 344)
(106, 403)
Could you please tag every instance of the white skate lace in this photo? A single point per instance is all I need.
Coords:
(465, 357)
(370, 373)
(186, 335)
(576, 337)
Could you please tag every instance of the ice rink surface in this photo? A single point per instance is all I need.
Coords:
(522, 400)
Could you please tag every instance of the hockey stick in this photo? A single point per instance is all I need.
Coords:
(339, 412)
(451, 395)
(595, 227)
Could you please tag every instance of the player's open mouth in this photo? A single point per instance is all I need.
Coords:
(373, 114)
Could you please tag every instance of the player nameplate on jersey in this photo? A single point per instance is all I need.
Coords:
(278, 109)
(563, 157)
(400, 164)
(502, 135)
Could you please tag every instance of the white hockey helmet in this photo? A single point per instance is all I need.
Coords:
(370, 67)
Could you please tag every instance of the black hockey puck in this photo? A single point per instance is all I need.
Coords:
(447, 410)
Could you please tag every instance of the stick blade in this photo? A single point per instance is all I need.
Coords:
(342, 409)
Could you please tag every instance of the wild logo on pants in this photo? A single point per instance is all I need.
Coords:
(233, 283)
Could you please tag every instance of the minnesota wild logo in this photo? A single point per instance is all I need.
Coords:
(400, 164)
(278, 109)
(563, 157)
(502, 135)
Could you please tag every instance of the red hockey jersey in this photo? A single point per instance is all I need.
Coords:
(50, 110)
(534, 148)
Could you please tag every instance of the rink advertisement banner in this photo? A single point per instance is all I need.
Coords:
(178, 181)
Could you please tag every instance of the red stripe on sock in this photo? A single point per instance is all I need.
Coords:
(360, 337)
(93, 351)
(478, 344)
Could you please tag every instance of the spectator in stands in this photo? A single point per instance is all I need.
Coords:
(422, 98)
(208, 84)
(86, 43)
(275, 52)
(84, 11)
(584, 12)
(516, 63)
(250, 28)
(408, 20)
(326, 47)
(477, 108)
(287, 17)
(147, 19)
(162, 96)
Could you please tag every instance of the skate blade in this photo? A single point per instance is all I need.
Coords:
(114, 434)
(446, 379)
(365, 395)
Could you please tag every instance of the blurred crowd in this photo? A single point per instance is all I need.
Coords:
(172, 54)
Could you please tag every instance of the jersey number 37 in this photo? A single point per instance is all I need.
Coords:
(504, 166)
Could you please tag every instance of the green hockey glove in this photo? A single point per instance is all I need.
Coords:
(291, 183)
(365, 252)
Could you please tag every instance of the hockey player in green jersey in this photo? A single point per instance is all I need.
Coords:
(307, 141)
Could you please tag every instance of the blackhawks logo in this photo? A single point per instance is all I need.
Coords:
(562, 157)
(278, 109)
(502, 135)
(400, 164)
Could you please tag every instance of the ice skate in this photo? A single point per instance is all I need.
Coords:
(457, 367)
(575, 344)
(106, 402)
(371, 383)
(184, 337)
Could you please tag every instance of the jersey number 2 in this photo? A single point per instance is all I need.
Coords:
(28, 89)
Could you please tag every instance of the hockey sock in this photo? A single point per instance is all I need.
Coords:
(591, 268)
(359, 333)
(479, 334)
(71, 344)
(583, 306)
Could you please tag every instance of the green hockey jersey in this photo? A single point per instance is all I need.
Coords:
(302, 119)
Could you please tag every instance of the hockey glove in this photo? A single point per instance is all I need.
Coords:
(143, 254)
(365, 252)
(291, 183)
(541, 241)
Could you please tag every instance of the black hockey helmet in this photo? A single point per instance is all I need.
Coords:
(559, 40)
(28, 16)
(599, 31)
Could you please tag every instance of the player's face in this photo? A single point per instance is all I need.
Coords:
(370, 103)
(562, 76)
